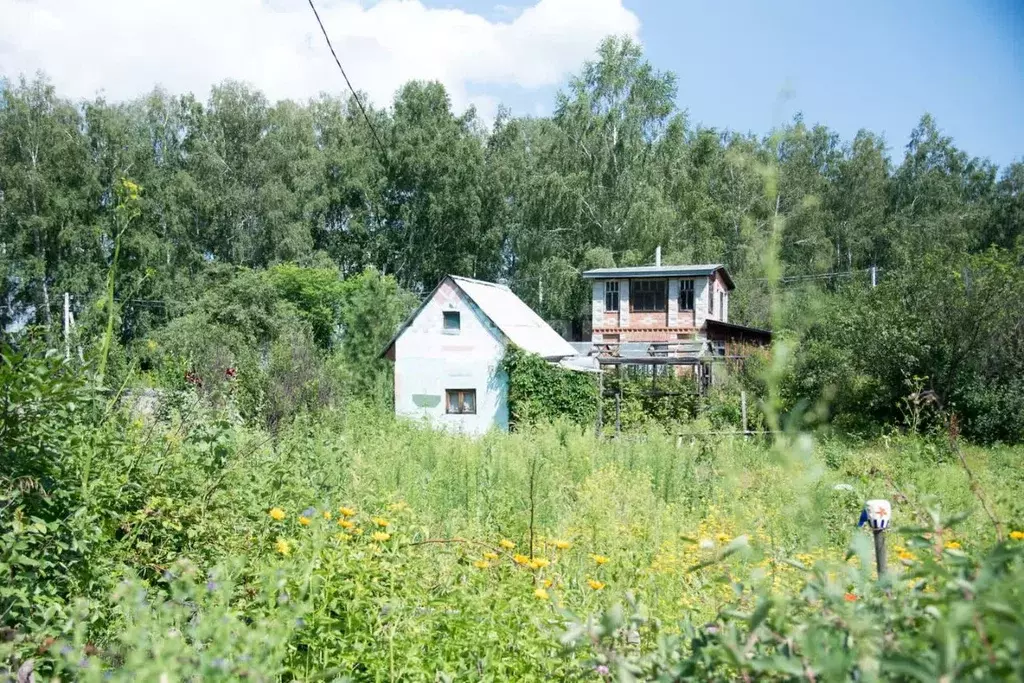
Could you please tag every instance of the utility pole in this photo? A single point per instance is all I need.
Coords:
(874, 276)
(67, 326)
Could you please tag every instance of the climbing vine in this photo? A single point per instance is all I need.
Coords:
(539, 391)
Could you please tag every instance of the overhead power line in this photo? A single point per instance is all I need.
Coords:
(355, 95)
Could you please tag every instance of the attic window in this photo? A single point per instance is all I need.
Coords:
(452, 321)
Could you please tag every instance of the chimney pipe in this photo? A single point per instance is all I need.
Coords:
(657, 256)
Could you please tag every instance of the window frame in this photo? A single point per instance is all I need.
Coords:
(460, 395)
(638, 289)
(612, 287)
(711, 297)
(721, 304)
(448, 315)
(687, 293)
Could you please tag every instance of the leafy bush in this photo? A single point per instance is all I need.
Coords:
(539, 391)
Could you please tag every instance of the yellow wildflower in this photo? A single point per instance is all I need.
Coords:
(547, 583)
(723, 538)
(347, 512)
(283, 546)
(540, 594)
(346, 524)
(490, 556)
(381, 536)
(952, 545)
(327, 515)
(381, 522)
(277, 513)
(482, 564)
(507, 544)
(563, 545)
(521, 559)
(358, 531)
(1017, 535)
(539, 563)
(304, 521)
(599, 559)
(595, 584)
(398, 507)
(343, 537)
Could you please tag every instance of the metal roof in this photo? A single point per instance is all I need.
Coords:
(659, 271)
(509, 313)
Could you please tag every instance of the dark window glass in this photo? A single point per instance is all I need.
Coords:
(452, 321)
(647, 295)
(611, 295)
(461, 401)
(686, 295)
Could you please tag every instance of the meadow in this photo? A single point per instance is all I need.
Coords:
(349, 546)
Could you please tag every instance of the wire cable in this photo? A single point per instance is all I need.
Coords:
(355, 95)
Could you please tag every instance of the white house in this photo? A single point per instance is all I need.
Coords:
(448, 354)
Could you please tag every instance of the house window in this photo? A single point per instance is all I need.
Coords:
(721, 303)
(686, 295)
(461, 401)
(647, 295)
(611, 295)
(452, 321)
(711, 299)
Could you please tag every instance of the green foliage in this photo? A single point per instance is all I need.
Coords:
(951, 320)
(946, 615)
(316, 293)
(373, 307)
(150, 549)
(539, 391)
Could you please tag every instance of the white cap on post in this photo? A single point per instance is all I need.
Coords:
(877, 513)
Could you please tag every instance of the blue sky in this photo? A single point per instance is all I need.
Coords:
(747, 65)
(849, 65)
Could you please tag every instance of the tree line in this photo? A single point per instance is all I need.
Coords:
(237, 183)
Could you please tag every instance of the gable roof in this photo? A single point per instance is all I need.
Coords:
(660, 271)
(508, 312)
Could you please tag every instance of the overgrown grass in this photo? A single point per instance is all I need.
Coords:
(206, 582)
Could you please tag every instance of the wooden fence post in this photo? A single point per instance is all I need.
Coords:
(618, 421)
(743, 408)
(600, 400)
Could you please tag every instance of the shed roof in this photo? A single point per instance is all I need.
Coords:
(659, 271)
(510, 314)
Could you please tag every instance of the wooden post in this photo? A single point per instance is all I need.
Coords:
(880, 558)
(877, 514)
(619, 399)
(743, 408)
(67, 326)
(600, 399)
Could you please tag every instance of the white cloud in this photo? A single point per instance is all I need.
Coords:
(123, 48)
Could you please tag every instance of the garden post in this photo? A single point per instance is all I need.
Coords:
(877, 514)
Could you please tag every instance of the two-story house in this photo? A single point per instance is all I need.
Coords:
(657, 303)
(667, 305)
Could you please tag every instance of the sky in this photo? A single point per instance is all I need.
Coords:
(744, 65)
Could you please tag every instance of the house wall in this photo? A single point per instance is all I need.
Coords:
(430, 360)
